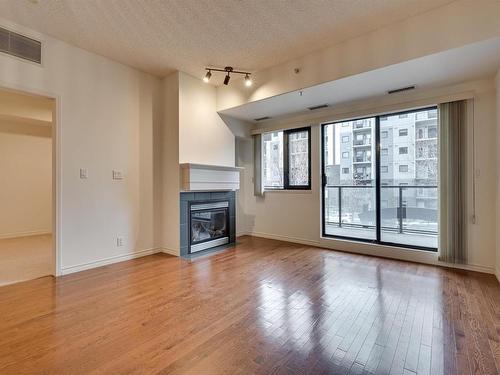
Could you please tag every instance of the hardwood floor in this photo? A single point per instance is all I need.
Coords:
(264, 307)
(25, 258)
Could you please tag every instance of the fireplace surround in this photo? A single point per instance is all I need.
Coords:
(207, 220)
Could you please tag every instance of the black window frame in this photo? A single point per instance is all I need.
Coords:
(378, 156)
(286, 157)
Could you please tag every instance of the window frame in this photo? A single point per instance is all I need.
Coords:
(286, 160)
(378, 183)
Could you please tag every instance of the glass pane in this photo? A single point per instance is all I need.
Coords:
(298, 158)
(208, 225)
(349, 195)
(272, 160)
(409, 178)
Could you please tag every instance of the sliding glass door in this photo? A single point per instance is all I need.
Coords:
(386, 194)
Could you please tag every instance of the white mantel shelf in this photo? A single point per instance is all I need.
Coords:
(204, 177)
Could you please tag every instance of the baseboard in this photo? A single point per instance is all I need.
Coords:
(107, 261)
(169, 251)
(24, 234)
(418, 258)
(279, 237)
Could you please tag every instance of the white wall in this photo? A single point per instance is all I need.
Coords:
(295, 216)
(203, 137)
(168, 172)
(498, 175)
(25, 180)
(104, 121)
(450, 26)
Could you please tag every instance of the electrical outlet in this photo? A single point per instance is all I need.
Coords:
(120, 241)
(84, 173)
(117, 174)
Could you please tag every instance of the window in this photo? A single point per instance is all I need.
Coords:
(383, 205)
(432, 132)
(345, 139)
(345, 155)
(286, 159)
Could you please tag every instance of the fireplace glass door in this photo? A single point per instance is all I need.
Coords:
(209, 225)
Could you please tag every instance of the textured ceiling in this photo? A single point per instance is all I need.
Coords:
(159, 36)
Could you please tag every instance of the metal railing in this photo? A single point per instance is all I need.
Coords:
(426, 215)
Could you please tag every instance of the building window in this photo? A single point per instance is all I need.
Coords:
(403, 168)
(403, 150)
(345, 138)
(432, 132)
(403, 132)
(345, 155)
(286, 159)
(384, 169)
(404, 115)
(384, 134)
(345, 170)
(384, 152)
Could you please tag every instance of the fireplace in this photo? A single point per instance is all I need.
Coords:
(207, 220)
(208, 225)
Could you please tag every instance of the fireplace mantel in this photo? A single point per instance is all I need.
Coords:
(203, 177)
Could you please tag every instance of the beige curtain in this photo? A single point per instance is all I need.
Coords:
(453, 182)
(257, 165)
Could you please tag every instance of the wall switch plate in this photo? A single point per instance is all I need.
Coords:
(120, 241)
(84, 173)
(117, 174)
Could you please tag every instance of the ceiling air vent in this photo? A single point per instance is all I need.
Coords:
(317, 107)
(401, 89)
(20, 46)
(262, 118)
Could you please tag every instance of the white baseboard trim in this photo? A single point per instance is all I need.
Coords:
(24, 234)
(417, 256)
(169, 251)
(279, 237)
(110, 260)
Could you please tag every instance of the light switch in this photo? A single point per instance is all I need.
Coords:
(117, 174)
(84, 173)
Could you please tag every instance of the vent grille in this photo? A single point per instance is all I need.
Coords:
(401, 89)
(262, 118)
(20, 46)
(318, 107)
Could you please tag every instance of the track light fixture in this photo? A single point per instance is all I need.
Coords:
(248, 81)
(207, 76)
(228, 70)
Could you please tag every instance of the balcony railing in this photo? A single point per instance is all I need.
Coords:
(353, 206)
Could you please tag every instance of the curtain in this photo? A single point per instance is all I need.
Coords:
(453, 182)
(257, 165)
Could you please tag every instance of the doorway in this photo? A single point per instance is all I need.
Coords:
(26, 187)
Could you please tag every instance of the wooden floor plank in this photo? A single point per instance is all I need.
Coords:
(261, 307)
